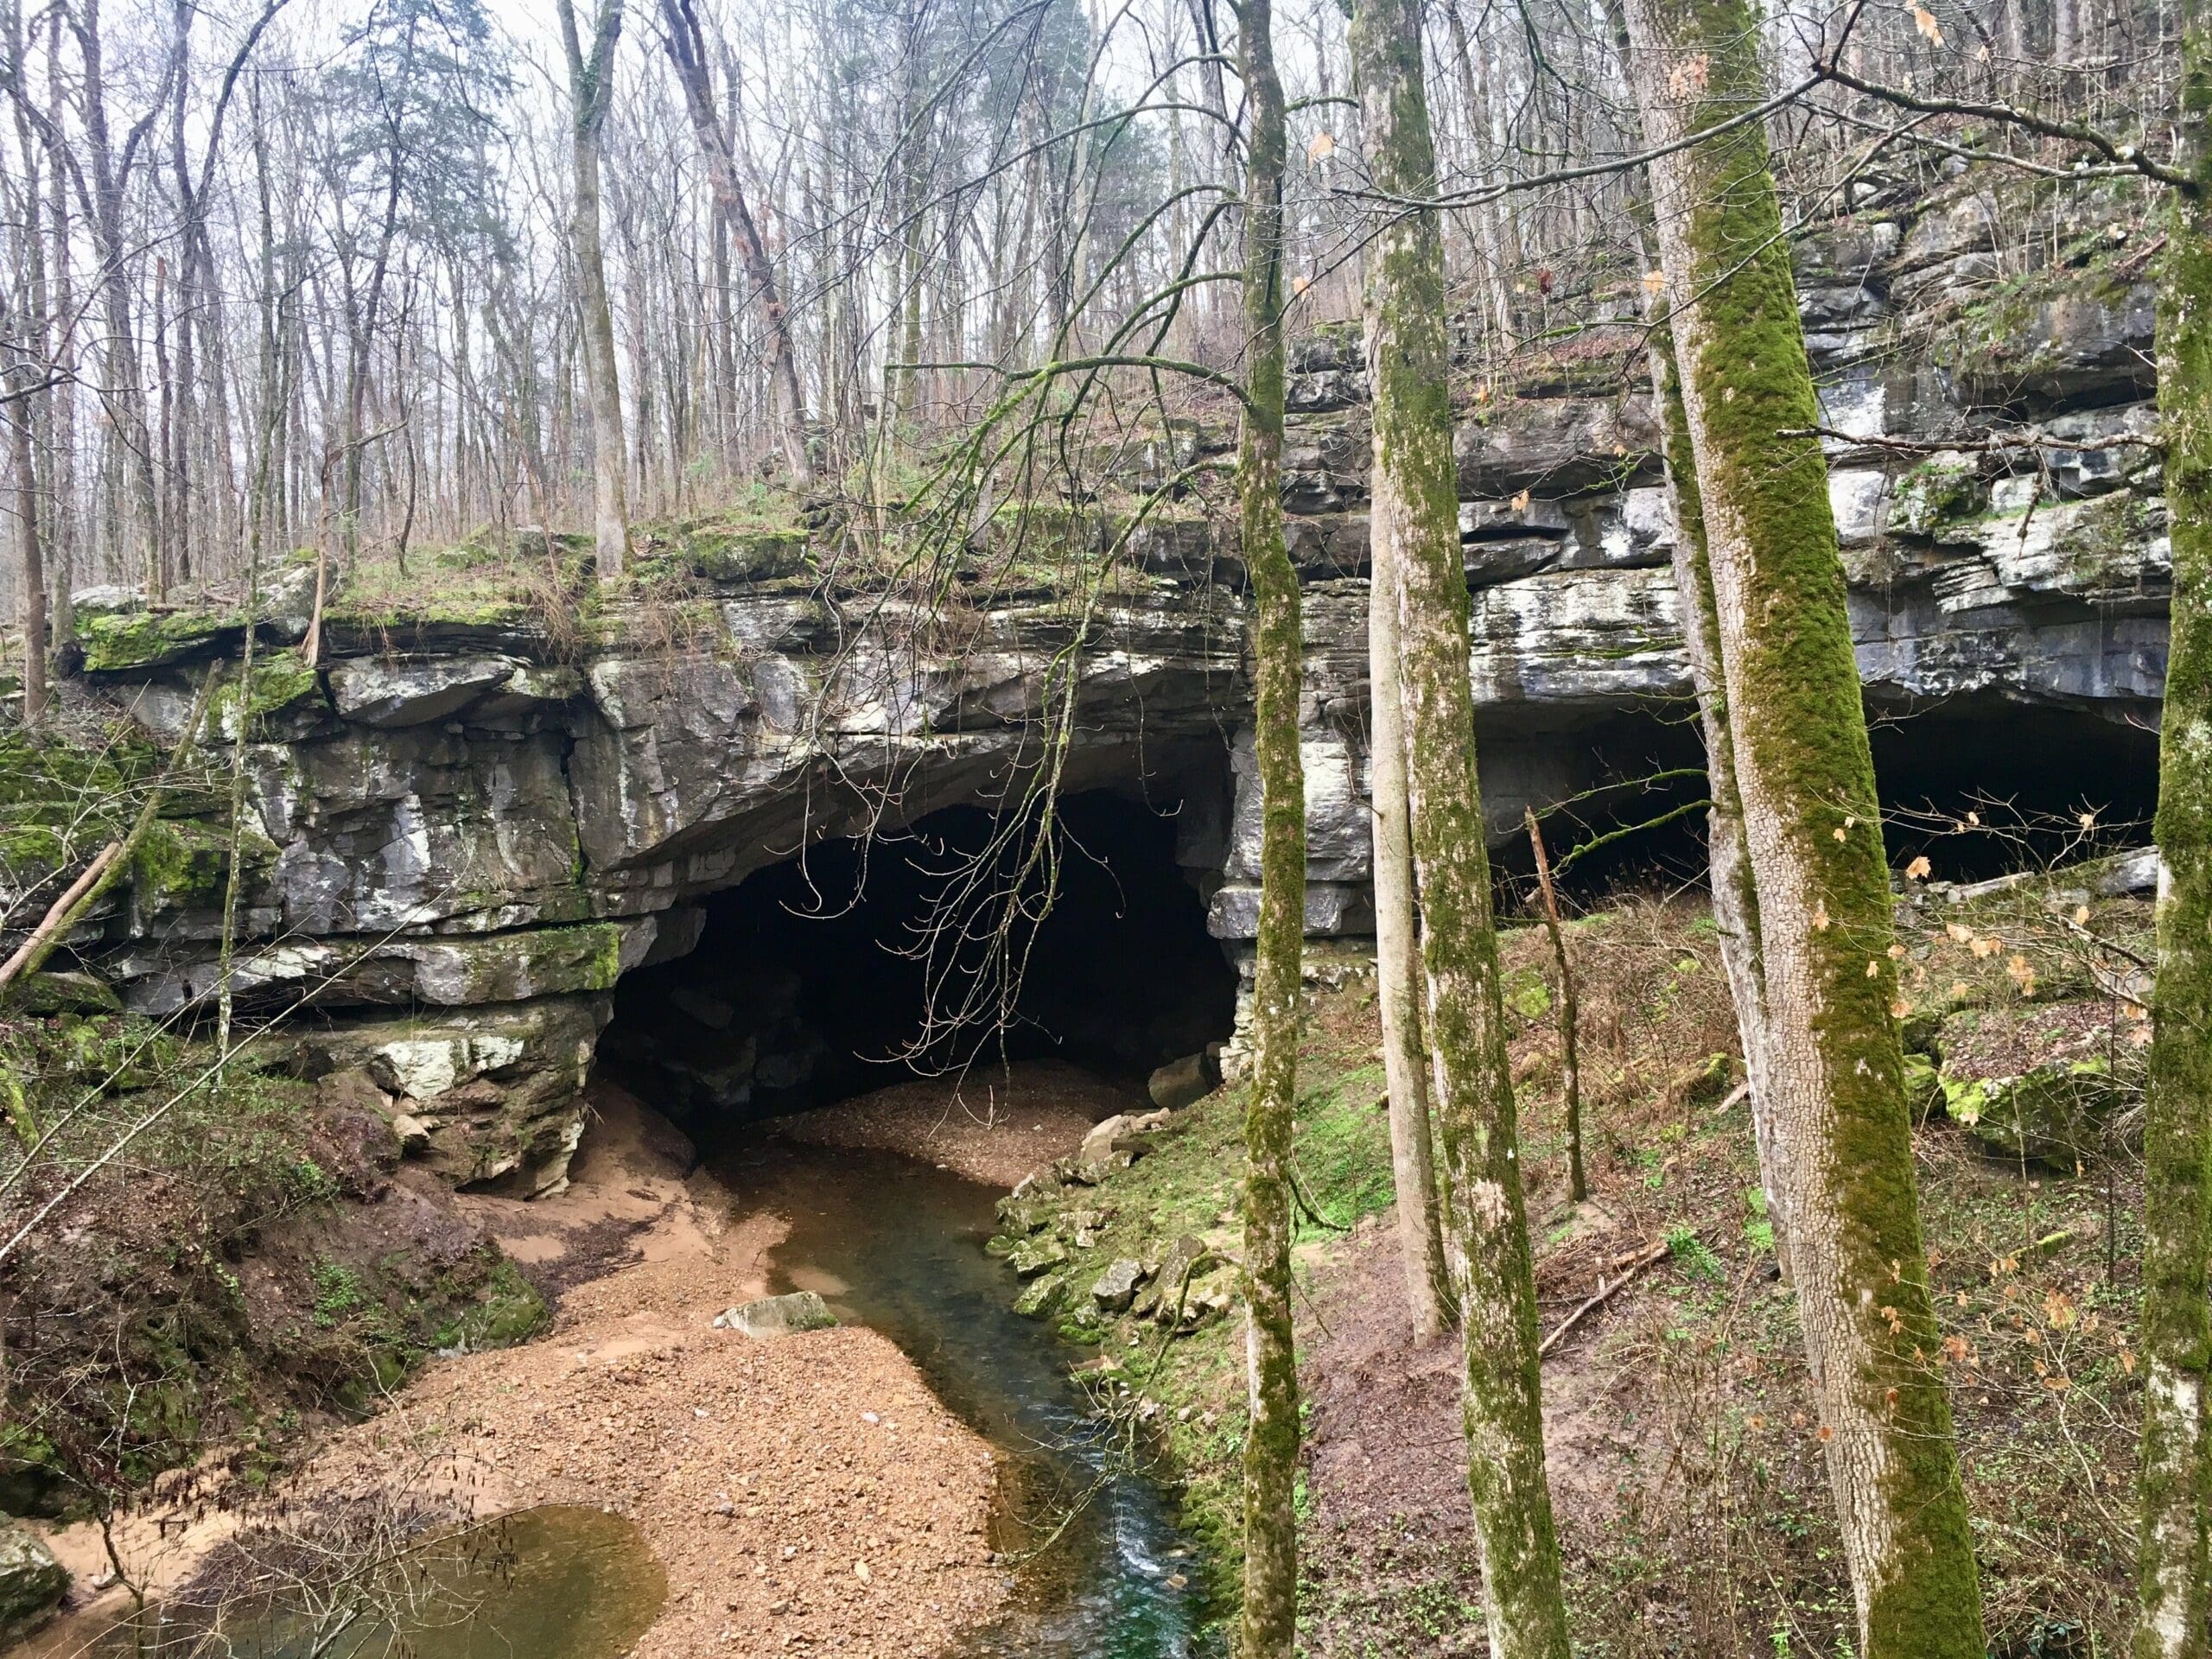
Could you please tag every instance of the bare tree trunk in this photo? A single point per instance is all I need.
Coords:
(1397, 942)
(1418, 510)
(591, 92)
(687, 51)
(1839, 1145)
(2172, 1568)
(1268, 1626)
(1570, 1064)
(27, 514)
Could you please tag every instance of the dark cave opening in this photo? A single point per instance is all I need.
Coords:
(1981, 787)
(2030, 776)
(863, 962)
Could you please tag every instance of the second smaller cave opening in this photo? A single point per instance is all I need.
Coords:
(857, 965)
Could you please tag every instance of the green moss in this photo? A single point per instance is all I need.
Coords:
(186, 864)
(1939, 490)
(122, 641)
(729, 554)
(1807, 778)
(1527, 994)
(2103, 539)
(282, 684)
(509, 1309)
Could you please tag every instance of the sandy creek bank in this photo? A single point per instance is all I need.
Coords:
(810, 1494)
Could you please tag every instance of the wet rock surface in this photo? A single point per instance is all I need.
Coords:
(766, 1318)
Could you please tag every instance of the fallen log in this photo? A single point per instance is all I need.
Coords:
(1628, 1267)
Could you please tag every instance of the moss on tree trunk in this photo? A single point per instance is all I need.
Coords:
(1397, 942)
(1268, 1625)
(1416, 513)
(2177, 1328)
(1838, 1149)
(1735, 899)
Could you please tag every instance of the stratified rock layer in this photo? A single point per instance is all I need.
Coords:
(465, 829)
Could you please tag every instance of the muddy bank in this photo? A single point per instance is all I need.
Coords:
(810, 1494)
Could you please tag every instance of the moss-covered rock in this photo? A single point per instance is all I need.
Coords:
(1941, 490)
(32, 1582)
(728, 556)
(184, 865)
(1040, 1298)
(2101, 543)
(122, 642)
(288, 700)
(62, 991)
(2053, 1115)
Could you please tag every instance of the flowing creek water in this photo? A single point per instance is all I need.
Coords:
(1099, 1569)
(1096, 1568)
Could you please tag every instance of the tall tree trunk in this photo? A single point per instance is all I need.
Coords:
(1839, 1149)
(1735, 899)
(27, 516)
(1397, 941)
(687, 51)
(1268, 1628)
(1570, 1020)
(124, 394)
(1735, 905)
(2177, 1333)
(1416, 507)
(62, 408)
(591, 93)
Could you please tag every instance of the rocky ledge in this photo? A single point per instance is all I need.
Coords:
(472, 817)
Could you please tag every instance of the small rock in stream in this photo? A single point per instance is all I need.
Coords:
(777, 1316)
(1032, 1256)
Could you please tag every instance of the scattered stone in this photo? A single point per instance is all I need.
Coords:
(778, 1316)
(412, 1134)
(1104, 1140)
(1209, 1299)
(1112, 1145)
(1034, 1256)
(1181, 1083)
(32, 1583)
(1116, 1287)
(1092, 1173)
(59, 990)
(2128, 873)
(1187, 1258)
(1019, 1217)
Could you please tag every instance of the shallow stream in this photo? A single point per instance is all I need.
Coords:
(1096, 1568)
(1099, 1570)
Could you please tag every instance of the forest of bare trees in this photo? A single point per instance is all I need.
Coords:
(375, 277)
(313, 266)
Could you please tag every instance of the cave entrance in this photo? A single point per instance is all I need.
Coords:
(2047, 786)
(867, 960)
(1982, 787)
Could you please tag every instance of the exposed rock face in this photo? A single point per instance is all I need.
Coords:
(32, 1583)
(468, 830)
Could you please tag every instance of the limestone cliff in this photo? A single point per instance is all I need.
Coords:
(472, 819)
